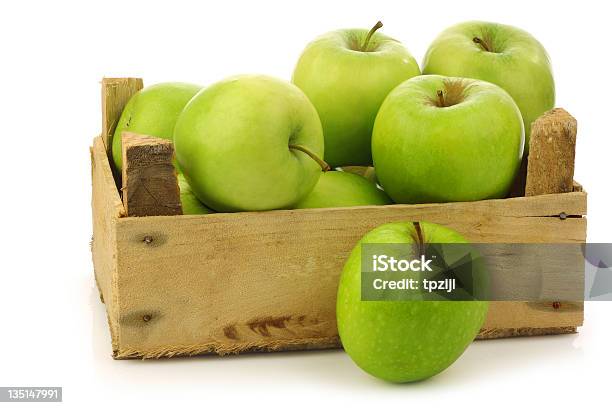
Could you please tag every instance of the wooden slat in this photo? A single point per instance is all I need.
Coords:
(533, 315)
(150, 186)
(577, 187)
(236, 282)
(116, 92)
(486, 334)
(107, 209)
(550, 168)
(102, 178)
(552, 148)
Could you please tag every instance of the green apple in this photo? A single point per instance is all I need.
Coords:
(347, 74)
(439, 139)
(189, 202)
(152, 111)
(342, 189)
(250, 143)
(504, 55)
(403, 341)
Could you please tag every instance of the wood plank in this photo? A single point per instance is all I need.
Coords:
(551, 154)
(249, 281)
(106, 210)
(104, 181)
(524, 332)
(116, 92)
(531, 272)
(533, 315)
(550, 167)
(577, 187)
(150, 185)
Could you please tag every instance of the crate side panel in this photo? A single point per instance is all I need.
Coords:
(233, 282)
(106, 209)
(534, 315)
(116, 92)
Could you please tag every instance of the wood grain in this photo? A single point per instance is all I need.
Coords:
(252, 281)
(106, 210)
(266, 281)
(116, 92)
(551, 154)
(150, 186)
(552, 149)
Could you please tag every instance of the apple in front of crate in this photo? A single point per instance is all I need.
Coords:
(250, 143)
(440, 139)
(347, 74)
(342, 189)
(152, 111)
(404, 341)
(504, 55)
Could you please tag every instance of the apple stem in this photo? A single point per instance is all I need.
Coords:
(419, 238)
(478, 41)
(441, 99)
(378, 25)
(320, 162)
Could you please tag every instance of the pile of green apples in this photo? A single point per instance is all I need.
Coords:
(454, 129)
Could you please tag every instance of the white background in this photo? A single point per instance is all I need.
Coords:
(53, 329)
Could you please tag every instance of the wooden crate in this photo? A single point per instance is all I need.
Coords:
(226, 283)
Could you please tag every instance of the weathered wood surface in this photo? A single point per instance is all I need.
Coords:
(550, 168)
(149, 180)
(552, 149)
(106, 210)
(534, 272)
(577, 187)
(249, 281)
(235, 282)
(116, 92)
